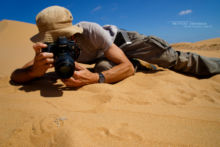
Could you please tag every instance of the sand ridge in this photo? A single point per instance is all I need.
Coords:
(160, 108)
(210, 44)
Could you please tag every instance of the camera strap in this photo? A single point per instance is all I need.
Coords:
(122, 38)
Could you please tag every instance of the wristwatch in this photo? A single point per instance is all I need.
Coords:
(101, 78)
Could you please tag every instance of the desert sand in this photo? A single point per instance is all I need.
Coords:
(160, 108)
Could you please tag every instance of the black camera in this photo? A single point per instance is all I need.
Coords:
(65, 53)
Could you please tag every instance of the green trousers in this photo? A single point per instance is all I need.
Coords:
(157, 51)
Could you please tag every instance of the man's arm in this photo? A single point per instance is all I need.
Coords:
(122, 70)
(22, 75)
(35, 68)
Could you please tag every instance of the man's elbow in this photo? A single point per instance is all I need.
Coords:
(131, 69)
(15, 78)
(19, 76)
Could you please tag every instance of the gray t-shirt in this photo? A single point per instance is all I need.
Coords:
(94, 41)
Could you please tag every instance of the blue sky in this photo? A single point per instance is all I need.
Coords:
(172, 20)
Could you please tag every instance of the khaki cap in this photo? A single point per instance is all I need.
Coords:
(53, 22)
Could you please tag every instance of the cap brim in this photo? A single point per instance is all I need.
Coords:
(51, 36)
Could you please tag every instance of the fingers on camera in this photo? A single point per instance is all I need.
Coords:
(48, 61)
(45, 56)
(38, 46)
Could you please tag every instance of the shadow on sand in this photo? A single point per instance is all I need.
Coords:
(47, 85)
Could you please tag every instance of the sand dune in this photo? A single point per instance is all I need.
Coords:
(161, 108)
(16, 48)
(211, 44)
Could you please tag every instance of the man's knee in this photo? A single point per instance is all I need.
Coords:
(103, 65)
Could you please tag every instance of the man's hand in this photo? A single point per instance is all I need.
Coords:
(81, 77)
(42, 61)
(36, 67)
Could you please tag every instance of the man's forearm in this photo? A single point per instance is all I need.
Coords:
(118, 73)
(122, 70)
(22, 75)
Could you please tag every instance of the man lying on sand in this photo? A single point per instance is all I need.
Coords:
(108, 47)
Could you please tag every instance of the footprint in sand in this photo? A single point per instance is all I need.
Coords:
(180, 97)
(50, 131)
(133, 98)
(121, 133)
(47, 124)
(205, 94)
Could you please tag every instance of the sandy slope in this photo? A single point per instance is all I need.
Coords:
(149, 109)
(211, 44)
(16, 48)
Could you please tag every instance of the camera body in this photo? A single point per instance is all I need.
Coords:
(65, 53)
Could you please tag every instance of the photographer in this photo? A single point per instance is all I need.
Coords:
(105, 47)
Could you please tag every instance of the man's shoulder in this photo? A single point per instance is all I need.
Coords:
(91, 28)
(94, 27)
(86, 24)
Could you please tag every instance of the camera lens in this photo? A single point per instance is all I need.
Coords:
(65, 69)
(64, 66)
